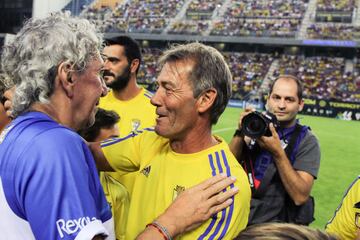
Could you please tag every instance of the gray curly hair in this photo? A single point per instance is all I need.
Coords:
(32, 58)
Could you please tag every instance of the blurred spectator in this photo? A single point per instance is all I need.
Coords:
(337, 31)
(335, 5)
(189, 27)
(256, 27)
(267, 9)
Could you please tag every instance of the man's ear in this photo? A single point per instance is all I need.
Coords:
(206, 100)
(134, 65)
(301, 105)
(65, 77)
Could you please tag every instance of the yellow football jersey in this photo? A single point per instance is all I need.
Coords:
(135, 114)
(163, 174)
(343, 223)
(118, 198)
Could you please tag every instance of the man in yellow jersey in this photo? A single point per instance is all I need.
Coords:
(194, 89)
(122, 58)
(346, 221)
(117, 196)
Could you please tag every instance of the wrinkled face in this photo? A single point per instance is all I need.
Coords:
(116, 67)
(175, 104)
(88, 88)
(284, 102)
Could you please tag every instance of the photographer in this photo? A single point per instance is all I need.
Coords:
(282, 164)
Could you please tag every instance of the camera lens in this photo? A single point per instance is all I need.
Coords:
(257, 125)
(254, 125)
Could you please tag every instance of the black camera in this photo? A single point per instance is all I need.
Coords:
(256, 124)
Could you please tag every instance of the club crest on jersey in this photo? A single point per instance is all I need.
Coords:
(135, 125)
(177, 190)
(146, 171)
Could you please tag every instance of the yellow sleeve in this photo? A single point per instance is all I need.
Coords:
(343, 222)
(128, 154)
(122, 153)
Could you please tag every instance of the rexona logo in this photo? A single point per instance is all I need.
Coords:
(72, 226)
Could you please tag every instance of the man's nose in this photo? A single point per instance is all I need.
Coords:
(104, 89)
(282, 104)
(155, 100)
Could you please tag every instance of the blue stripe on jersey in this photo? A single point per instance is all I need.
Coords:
(213, 172)
(338, 208)
(116, 140)
(214, 217)
(148, 94)
(232, 204)
(221, 164)
(112, 141)
(218, 162)
(223, 212)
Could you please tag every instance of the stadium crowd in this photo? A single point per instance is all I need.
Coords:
(57, 86)
(283, 28)
(335, 5)
(324, 77)
(267, 9)
(258, 18)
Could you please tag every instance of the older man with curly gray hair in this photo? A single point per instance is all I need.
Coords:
(49, 187)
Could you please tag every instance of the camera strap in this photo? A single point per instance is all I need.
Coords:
(258, 188)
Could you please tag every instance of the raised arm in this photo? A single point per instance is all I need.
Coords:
(101, 162)
(297, 184)
(237, 142)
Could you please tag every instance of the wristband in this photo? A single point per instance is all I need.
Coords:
(162, 230)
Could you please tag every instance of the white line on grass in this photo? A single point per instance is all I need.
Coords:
(222, 130)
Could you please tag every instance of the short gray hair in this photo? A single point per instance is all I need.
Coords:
(210, 70)
(31, 60)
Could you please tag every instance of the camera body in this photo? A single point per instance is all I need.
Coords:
(256, 124)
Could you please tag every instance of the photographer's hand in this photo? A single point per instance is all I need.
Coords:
(236, 143)
(272, 143)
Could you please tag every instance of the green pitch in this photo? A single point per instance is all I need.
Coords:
(340, 157)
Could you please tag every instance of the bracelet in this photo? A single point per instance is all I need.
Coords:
(238, 133)
(164, 232)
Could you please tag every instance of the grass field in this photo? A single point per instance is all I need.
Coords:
(340, 157)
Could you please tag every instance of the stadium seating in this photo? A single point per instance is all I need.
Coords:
(324, 77)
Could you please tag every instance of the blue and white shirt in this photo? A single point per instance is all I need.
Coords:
(49, 187)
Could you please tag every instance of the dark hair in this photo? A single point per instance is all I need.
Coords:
(298, 82)
(131, 47)
(103, 119)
